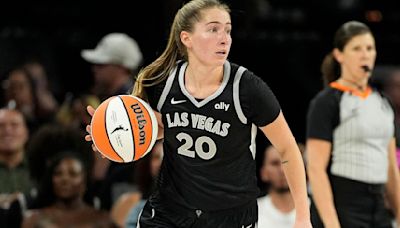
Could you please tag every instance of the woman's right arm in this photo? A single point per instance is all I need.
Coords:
(318, 154)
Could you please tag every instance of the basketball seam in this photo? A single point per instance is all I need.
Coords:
(148, 114)
(108, 137)
(130, 123)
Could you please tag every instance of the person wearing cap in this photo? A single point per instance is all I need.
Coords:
(114, 61)
(115, 58)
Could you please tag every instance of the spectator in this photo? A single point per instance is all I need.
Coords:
(276, 209)
(115, 59)
(72, 112)
(44, 145)
(45, 97)
(14, 171)
(61, 194)
(20, 92)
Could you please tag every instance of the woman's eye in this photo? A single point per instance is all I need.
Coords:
(214, 29)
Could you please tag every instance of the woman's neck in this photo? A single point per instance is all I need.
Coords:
(358, 86)
(70, 204)
(201, 82)
(203, 76)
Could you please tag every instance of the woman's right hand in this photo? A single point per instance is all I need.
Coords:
(88, 137)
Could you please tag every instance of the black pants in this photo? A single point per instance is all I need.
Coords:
(358, 205)
(173, 216)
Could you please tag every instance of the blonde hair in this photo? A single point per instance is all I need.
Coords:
(160, 68)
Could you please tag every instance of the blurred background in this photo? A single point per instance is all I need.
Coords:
(282, 41)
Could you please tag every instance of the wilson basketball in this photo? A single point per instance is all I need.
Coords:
(124, 128)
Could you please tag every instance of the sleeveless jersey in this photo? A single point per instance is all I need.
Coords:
(209, 144)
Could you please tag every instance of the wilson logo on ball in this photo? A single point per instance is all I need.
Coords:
(124, 128)
(141, 122)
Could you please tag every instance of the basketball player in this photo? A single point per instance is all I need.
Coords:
(209, 110)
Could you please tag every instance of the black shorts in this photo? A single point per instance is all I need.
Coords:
(358, 205)
(174, 216)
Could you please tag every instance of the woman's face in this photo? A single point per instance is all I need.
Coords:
(359, 51)
(210, 41)
(272, 171)
(69, 179)
(19, 88)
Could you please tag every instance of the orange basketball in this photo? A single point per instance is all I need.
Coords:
(124, 128)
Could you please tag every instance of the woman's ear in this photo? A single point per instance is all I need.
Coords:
(185, 39)
(338, 55)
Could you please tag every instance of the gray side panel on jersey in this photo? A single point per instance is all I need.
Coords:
(226, 76)
(166, 89)
(138, 219)
(252, 146)
(236, 101)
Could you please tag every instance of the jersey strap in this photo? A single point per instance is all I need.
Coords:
(167, 87)
(236, 100)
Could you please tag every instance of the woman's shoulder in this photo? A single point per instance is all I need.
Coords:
(247, 78)
(327, 99)
(33, 216)
(328, 93)
(235, 67)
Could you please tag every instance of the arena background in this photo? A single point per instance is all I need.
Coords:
(282, 41)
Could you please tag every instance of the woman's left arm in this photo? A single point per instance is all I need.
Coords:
(393, 183)
(281, 137)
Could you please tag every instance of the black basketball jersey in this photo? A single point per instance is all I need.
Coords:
(209, 144)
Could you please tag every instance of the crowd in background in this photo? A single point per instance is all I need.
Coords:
(49, 174)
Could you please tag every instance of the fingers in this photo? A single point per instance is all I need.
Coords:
(89, 136)
(94, 148)
(88, 129)
(97, 151)
(90, 110)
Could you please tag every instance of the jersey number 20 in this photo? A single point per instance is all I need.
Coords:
(186, 148)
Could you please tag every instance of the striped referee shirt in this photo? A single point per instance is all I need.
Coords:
(359, 126)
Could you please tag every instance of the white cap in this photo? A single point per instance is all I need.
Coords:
(115, 48)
